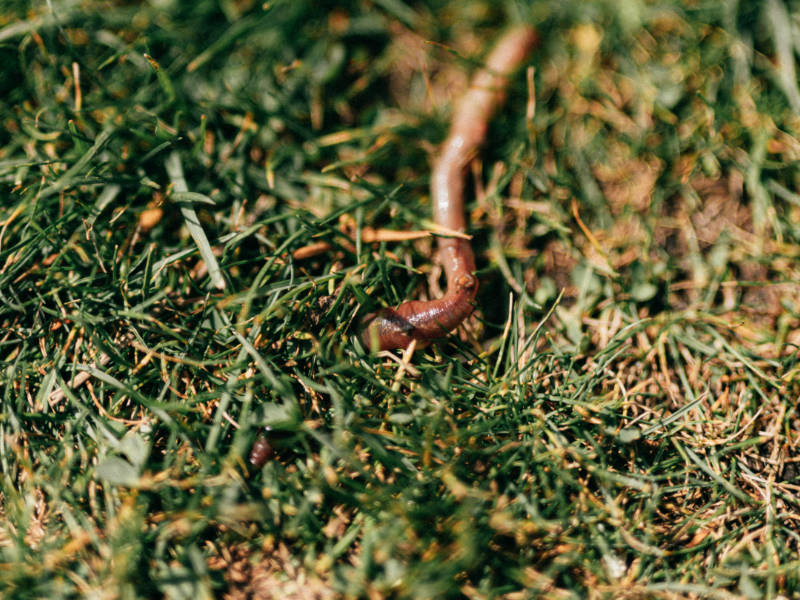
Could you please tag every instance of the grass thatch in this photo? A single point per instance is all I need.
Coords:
(184, 261)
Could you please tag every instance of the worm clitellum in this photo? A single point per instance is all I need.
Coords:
(425, 321)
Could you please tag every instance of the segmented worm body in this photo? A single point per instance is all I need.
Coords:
(261, 452)
(424, 321)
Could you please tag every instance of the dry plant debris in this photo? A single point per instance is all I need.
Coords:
(617, 420)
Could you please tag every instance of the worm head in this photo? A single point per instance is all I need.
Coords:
(386, 329)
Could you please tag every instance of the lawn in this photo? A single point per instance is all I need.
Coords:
(201, 201)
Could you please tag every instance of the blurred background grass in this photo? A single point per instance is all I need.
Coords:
(185, 186)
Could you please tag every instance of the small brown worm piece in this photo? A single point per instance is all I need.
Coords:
(261, 452)
(424, 321)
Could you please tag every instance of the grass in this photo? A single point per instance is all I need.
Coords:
(184, 263)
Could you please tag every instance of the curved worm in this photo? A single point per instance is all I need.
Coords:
(424, 321)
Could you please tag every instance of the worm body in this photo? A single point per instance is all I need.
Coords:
(261, 452)
(424, 321)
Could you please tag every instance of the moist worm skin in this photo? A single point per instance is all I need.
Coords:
(260, 452)
(424, 321)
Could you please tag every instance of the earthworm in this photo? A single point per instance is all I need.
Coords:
(261, 452)
(424, 321)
